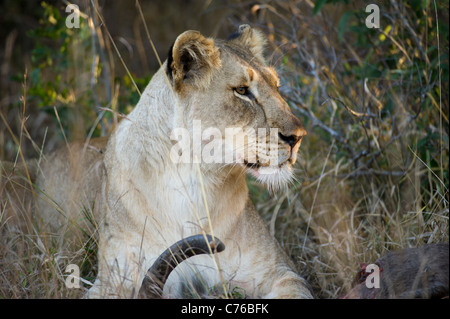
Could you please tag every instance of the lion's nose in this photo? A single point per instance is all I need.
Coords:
(293, 139)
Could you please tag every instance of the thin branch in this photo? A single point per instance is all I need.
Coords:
(354, 113)
(301, 108)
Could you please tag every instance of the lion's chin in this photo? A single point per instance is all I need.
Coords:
(273, 177)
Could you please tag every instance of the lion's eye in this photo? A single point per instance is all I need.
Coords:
(242, 90)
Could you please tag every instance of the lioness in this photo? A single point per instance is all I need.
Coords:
(143, 201)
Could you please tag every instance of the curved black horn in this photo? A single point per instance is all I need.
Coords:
(156, 277)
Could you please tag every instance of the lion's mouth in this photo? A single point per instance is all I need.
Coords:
(256, 169)
(273, 170)
(252, 165)
(274, 177)
(258, 164)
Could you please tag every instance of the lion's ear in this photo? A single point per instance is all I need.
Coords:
(193, 60)
(252, 39)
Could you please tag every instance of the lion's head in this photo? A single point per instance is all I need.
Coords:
(227, 87)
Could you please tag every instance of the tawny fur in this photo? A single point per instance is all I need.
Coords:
(142, 202)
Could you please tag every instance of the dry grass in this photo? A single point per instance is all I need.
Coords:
(373, 168)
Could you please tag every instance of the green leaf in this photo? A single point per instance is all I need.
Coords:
(319, 4)
(342, 26)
